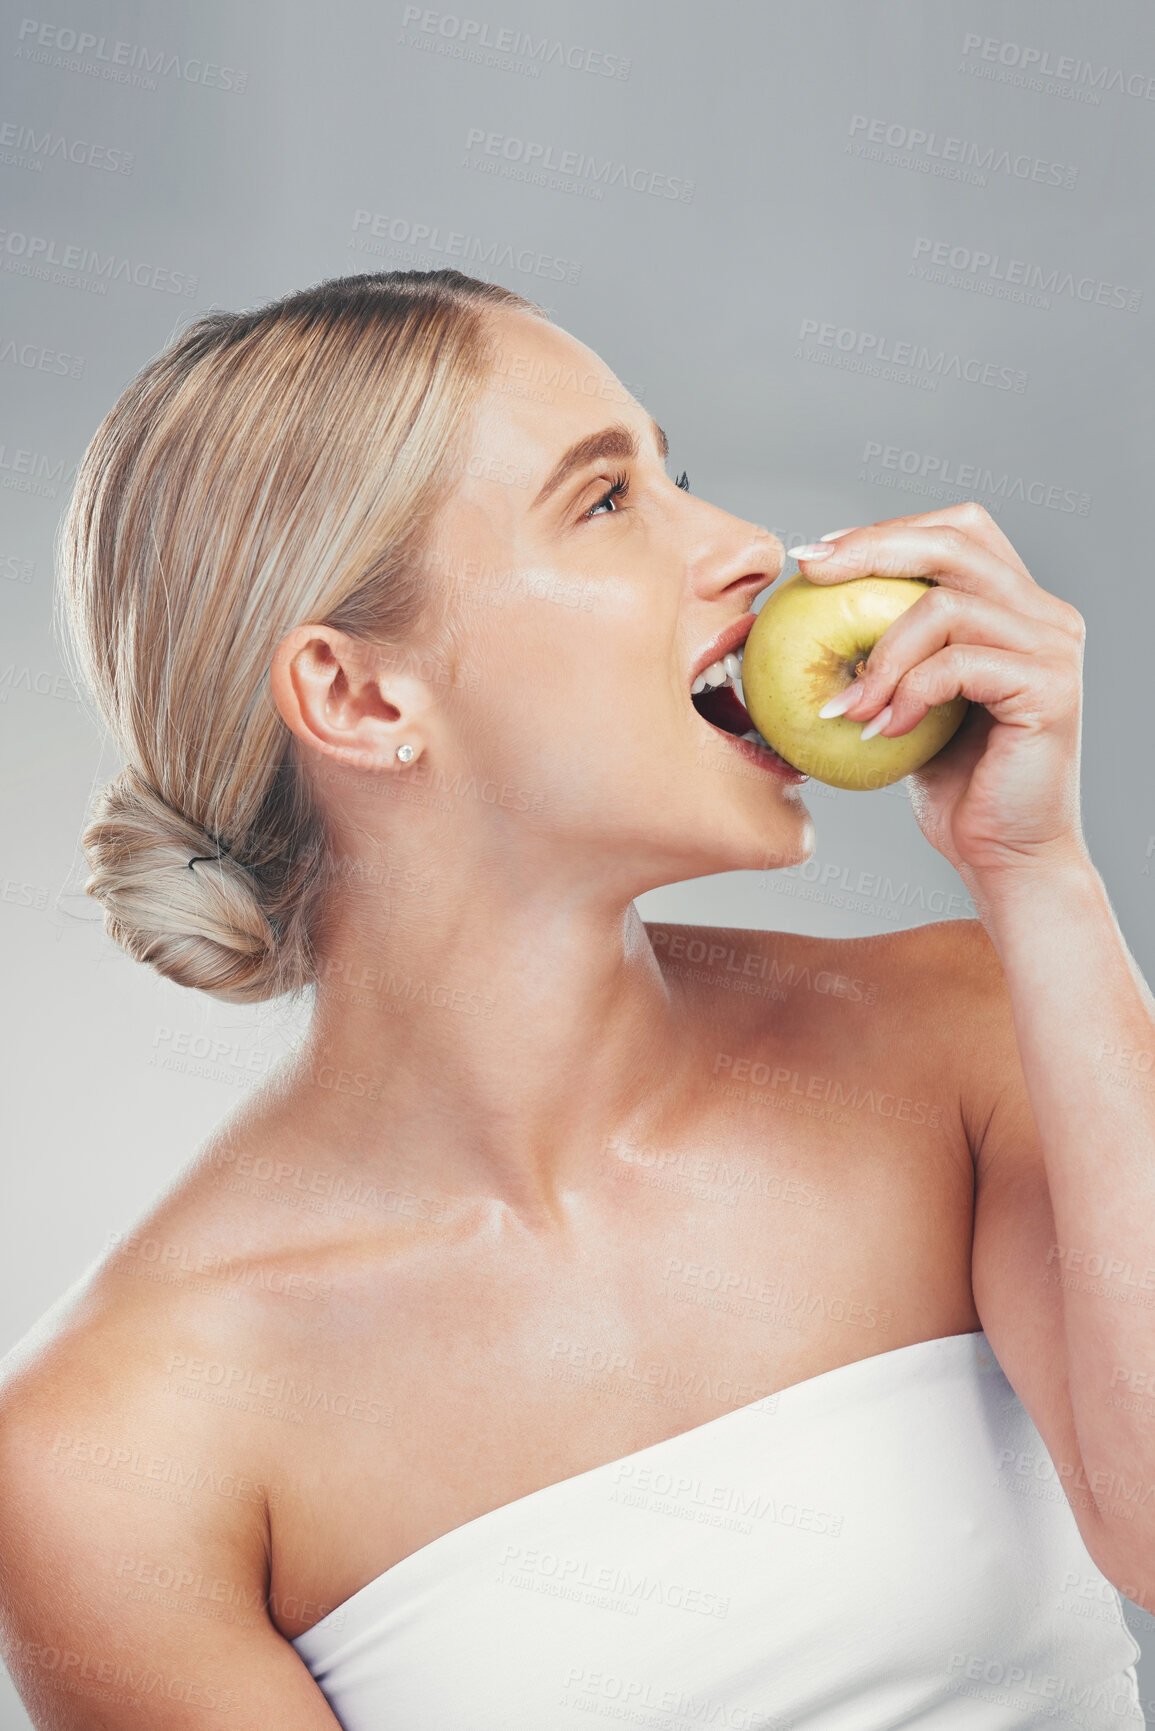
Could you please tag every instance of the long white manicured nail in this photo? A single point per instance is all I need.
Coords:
(879, 722)
(840, 704)
(836, 533)
(810, 550)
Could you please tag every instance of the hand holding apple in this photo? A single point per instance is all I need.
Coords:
(1002, 795)
(809, 643)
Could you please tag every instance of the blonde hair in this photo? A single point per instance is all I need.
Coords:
(269, 468)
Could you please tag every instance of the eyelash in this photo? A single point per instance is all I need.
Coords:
(618, 489)
(620, 486)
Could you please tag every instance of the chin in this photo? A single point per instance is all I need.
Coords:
(780, 834)
(787, 843)
(805, 840)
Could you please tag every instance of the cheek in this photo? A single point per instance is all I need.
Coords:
(565, 667)
(566, 678)
(553, 684)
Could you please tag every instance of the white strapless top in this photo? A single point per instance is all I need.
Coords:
(884, 1545)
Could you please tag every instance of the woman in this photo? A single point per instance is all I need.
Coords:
(504, 1359)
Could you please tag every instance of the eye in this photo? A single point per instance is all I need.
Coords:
(618, 489)
(683, 482)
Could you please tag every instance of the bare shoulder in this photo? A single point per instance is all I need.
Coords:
(146, 1443)
(952, 970)
(920, 1010)
(949, 992)
(117, 1498)
(87, 1418)
(945, 961)
(913, 969)
(222, 1279)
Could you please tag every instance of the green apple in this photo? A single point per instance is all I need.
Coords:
(809, 641)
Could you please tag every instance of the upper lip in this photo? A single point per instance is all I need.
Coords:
(725, 643)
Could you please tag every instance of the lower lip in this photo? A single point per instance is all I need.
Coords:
(763, 757)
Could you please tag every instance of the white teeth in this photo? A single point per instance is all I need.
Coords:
(727, 671)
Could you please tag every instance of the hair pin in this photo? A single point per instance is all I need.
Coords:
(221, 849)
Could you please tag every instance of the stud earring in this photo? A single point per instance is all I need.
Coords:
(406, 753)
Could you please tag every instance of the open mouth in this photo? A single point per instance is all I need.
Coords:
(716, 695)
(721, 706)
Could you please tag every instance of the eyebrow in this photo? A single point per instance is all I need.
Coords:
(612, 442)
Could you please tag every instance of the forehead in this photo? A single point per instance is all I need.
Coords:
(545, 390)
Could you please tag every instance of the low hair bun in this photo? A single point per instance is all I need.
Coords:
(203, 927)
(268, 469)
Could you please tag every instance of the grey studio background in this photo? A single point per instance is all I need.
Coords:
(859, 260)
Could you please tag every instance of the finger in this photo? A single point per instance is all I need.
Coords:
(1021, 690)
(973, 519)
(943, 553)
(957, 759)
(939, 617)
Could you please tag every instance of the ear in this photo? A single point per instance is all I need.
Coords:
(346, 698)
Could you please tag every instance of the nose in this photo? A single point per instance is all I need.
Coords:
(733, 556)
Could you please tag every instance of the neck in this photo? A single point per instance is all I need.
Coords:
(490, 1040)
